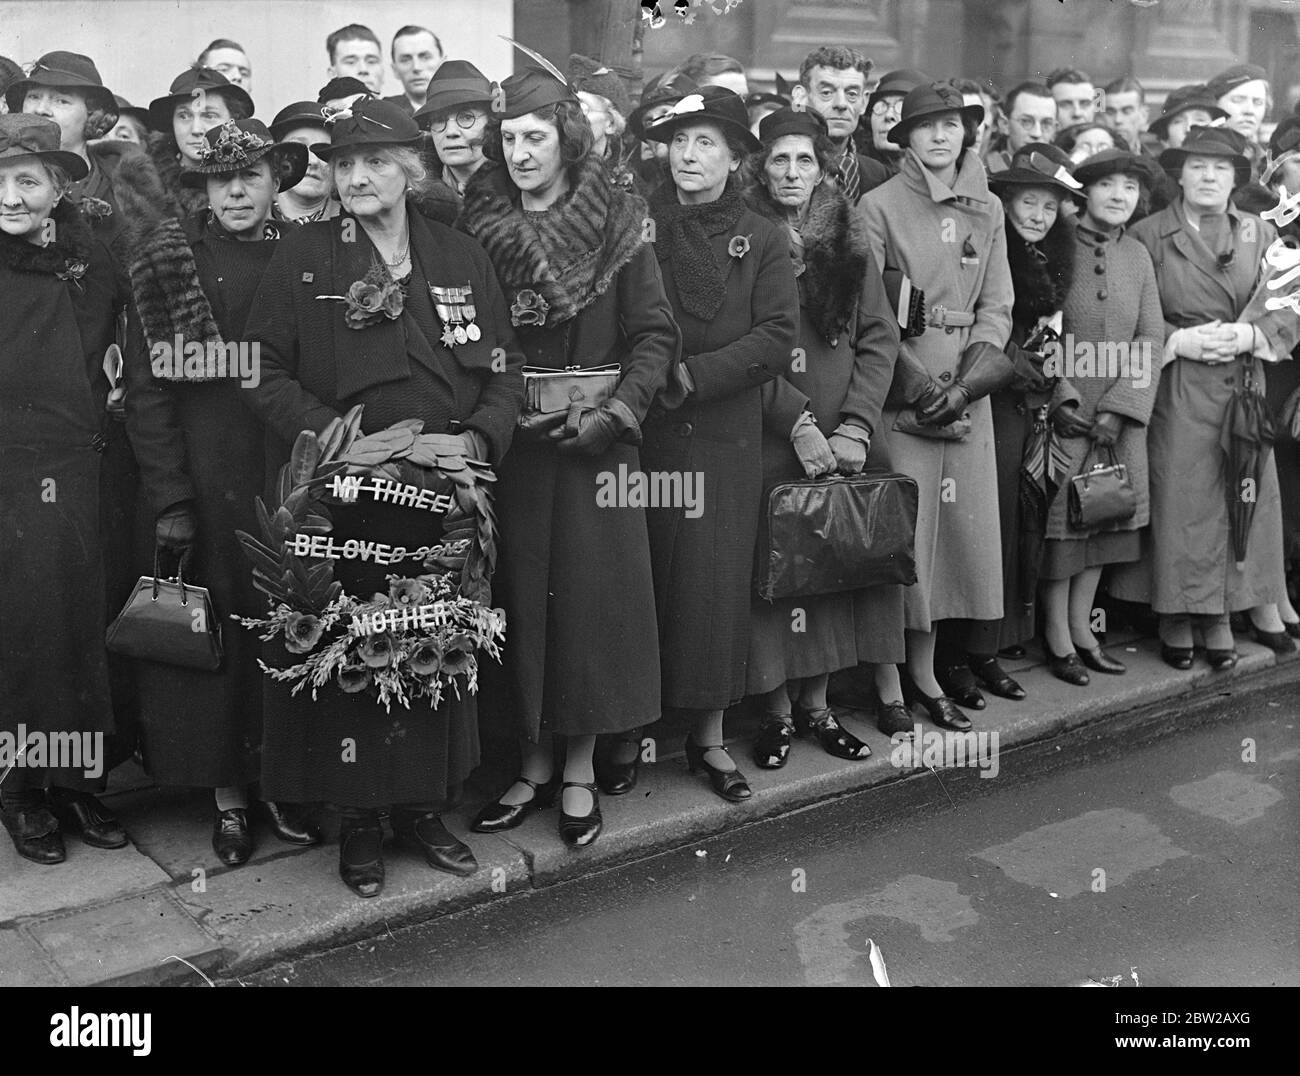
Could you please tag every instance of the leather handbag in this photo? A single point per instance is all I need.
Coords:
(169, 621)
(825, 535)
(547, 391)
(1102, 493)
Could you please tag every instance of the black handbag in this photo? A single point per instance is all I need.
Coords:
(825, 535)
(170, 621)
(1101, 494)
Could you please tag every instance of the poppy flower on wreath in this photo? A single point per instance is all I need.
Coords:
(529, 308)
(354, 678)
(426, 660)
(458, 656)
(376, 651)
(302, 632)
(739, 246)
(406, 592)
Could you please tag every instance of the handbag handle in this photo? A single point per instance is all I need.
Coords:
(179, 576)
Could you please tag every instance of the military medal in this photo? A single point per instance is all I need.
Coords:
(471, 329)
(442, 303)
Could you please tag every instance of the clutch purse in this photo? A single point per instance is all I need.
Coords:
(547, 391)
(1101, 494)
(824, 535)
(170, 621)
(956, 430)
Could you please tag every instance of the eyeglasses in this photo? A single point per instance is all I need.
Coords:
(1029, 125)
(890, 106)
(465, 119)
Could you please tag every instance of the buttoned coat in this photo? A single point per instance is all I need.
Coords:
(951, 241)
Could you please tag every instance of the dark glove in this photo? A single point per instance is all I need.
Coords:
(597, 429)
(1067, 423)
(177, 528)
(983, 368)
(948, 407)
(538, 426)
(1028, 376)
(1106, 429)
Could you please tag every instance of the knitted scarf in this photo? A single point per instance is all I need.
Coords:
(682, 233)
(67, 257)
(567, 255)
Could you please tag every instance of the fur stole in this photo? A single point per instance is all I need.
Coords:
(835, 255)
(67, 257)
(1041, 272)
(167, 160)
(568, 255)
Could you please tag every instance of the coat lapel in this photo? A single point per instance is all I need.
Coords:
(1198, 255)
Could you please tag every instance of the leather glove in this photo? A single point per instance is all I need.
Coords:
(1028, 376)
(949, 407)
(597, 429)
(1106, 429)
(538, 426)
(850, 446)
(811, 447)
(1067, 423)
(177, 528)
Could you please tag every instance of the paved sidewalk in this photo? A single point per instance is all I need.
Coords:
(165, 908)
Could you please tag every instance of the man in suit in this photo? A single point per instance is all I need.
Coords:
(416, 53)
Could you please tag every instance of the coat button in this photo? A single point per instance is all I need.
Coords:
(685, 429)
(945, 376)
(755, 369)
(1101, 293)
(1099, 269)
(1101, 252)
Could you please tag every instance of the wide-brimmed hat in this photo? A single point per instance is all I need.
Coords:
(187, 85)
(930, 100)
(1183, 99)
(591, 76)
(791, 121)
(665, 89)
(69, 69)
(1210, 142)
(342, 86)
(1229, 80)
(1112, 161)
(368, 122)
(1283, 146)
(897, 84)
(455, 83)
(1038, 164)
(712, 104)
(10, 72)
(25, 135)
(298, 114)
(236, 144)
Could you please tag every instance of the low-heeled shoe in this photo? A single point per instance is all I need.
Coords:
(772, 744)
(1099, 661)
(80, 812)
(995, 679)
(287, 824)
(232, 840)
(578, 831)
(1177, 657)
(1068, 668)
(958, 683)
(731, 785)
(824, 727)
(1291, 629)
(35, 833)
(613, 777)
(1277, 641)
(498, 816)
(442, 849)
(365, 879)
(894, 717)
(1221, 660)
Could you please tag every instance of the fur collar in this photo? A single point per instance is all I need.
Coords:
(1041, 286)
(835, 255)
(167, 160)
(70, 249)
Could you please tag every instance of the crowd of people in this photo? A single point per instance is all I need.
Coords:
(726, 267)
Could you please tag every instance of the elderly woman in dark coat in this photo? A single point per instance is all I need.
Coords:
(1112, 324)
(315, 367)
(60, 294)
(848, 340)
(728, 275)
(583, 654)
(1208, 259)
(201, 452)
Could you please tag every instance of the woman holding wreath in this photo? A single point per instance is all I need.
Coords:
(442, 351)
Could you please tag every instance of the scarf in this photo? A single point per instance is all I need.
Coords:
(67, 257)
(682, 235)
(850, 175)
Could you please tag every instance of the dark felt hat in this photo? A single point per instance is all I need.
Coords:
(1229, 80)
(1182, 100)
(1283, 146)
(1111, 161)
(125, 108)
(369, 122)
(1038, 165)
(791, 121)
(930, 100)
(712, 104)
(298, 114)
(665, 89)
(342, 86)
(780, 98)
(236, 144)
(455, 83)
(25, 135)
(10, 72)
(530, 89)
(897, 84)
(69, 69)
(189, 84)
(1210, 142)
(590, 76)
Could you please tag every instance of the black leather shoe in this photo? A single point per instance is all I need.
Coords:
(1099, 661)
(361, 856)
(1177, 657)
(824, 727)
(989, 673)
(892, 717)
(1015, 652)
(1221, 660)
(80, 812)
(772, 744)
(614, 778)
(1277, 641)
(729, 784)
(1068, 668)
(1292, 630)
(942, 710)
(958, 684)
(35, 833)
(286, 824)
(442, 849)
(578, 831)
(498, 816)
(231, 837)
